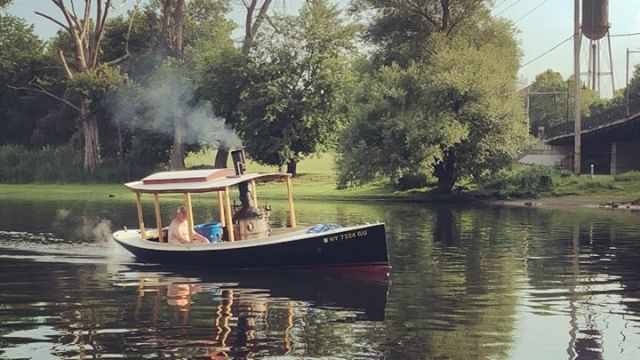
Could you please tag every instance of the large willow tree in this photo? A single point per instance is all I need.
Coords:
(453, 112)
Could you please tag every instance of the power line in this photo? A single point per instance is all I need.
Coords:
(547, 52)
(531, 11)
(508, 7)
(623, 35)
(499, 3)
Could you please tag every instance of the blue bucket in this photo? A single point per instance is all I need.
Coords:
(212, 231)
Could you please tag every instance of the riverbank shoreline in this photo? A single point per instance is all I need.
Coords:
(117, 193)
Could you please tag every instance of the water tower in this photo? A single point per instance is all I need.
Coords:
(595, 27)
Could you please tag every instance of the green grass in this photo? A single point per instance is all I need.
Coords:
(316, 181)
(523, 181)
(321, 164)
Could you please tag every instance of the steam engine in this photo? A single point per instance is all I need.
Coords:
(249, 221)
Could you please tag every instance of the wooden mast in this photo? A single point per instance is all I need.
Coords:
(292, 211)
(143, 232)
(229, 219)
(156, 206)
(221, 209)
(253, 193)
(187, 206)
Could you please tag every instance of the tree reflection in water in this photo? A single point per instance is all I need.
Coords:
(467, 283)
(223, 320)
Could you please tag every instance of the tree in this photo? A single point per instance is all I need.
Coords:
(193, 21)
(399, 28)
(547, 109)
(291, 108)
(634, 84)
(86, 32)
(252, 25)
(548, 105)
(22, 54)
(457, 114)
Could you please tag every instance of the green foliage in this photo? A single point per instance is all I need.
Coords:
(207, 33)
(549, 110)
(96, 84)
(631, 176)
(59, 164)
(224, 79)
(533, 181)
(456, 115)
(292, 106)
(522, 181)
(399, 28)
(20, 60)
(634, 84)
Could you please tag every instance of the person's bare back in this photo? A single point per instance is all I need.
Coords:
(179, 229)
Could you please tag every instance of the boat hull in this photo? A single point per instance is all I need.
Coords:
(359, 246)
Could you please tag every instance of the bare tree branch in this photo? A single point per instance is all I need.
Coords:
(248, 26)
(65, 65)
(40, 90)
(73, 32)
(52, 19)
(127, 36)
(253, 25)
(87, 16)
(272, 24)
(261, 15)
(73, 9)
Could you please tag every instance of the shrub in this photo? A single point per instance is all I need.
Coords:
(412, 181)
(60, 164)
(630, 176)
(520, 181)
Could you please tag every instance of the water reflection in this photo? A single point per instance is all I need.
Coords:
(251, 314)
(466, 283)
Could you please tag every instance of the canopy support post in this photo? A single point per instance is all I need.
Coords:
(143, 232)
(156, 206)
(253, 193)
(292, 211)
(187, 206)
(229, 220)
(221, 209)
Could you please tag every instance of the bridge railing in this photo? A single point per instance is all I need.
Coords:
(614, 114)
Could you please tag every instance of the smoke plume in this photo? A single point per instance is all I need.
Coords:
(169, 96)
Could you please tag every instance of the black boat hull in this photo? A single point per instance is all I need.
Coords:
(351, 247)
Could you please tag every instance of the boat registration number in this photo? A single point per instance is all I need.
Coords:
(345, 236)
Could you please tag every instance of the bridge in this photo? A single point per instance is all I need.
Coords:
(610, 141)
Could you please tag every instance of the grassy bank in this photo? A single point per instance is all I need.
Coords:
(316, 181)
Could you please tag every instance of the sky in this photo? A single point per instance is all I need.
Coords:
(542, 24)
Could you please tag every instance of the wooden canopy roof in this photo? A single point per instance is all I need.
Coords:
(196, 181)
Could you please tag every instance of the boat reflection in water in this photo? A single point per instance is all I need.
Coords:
(254, 314)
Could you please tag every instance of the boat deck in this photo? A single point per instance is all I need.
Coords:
(152, 234)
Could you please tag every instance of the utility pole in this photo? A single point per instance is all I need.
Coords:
(626, 81)
(577, 135)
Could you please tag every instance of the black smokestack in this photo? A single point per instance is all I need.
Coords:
(239, 163)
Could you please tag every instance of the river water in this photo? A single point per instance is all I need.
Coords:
(466, 283)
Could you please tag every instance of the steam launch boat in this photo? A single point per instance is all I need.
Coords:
(243, 236)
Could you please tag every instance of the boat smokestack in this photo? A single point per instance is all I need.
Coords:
(239, 163)
(249, 221)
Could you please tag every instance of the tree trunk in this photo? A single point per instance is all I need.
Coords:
(177, 151)
(221, 158)
(446, 173)
(91, 139)
(292, 168)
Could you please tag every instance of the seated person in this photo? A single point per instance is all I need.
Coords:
(179, 230)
